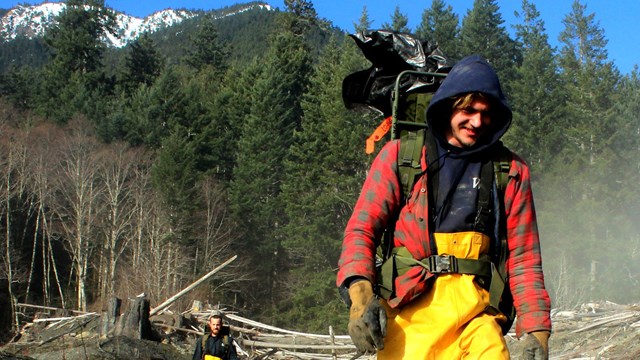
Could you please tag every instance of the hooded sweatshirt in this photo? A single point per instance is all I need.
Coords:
(458, 169)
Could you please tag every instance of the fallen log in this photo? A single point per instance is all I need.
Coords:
(254, 343)
(189, 331)
(63, 318)
(273, 328)
(49, 308)
(73, 325)
(175, 297)
(609, 319)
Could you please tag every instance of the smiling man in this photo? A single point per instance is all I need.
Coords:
(454, 229)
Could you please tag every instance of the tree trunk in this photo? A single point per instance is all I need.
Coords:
(110, 318)
(135, 322)
(34, 250)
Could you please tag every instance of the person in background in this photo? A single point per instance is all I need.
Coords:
(217, 344)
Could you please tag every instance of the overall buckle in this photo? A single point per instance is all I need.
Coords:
(442, 264)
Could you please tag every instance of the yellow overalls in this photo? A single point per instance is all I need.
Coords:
(448, 322)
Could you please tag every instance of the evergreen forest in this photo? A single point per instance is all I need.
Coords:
(141, 169)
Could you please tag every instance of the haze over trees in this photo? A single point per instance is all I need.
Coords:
(141, 169)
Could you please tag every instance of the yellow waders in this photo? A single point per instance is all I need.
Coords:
(449, 321)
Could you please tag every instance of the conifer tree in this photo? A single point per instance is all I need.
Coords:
(161, 109)
(626, 141)
(586, 165)
(266, 135)
(143, 63)
(590, 78)
(207, 48)
(74, 77)
(228, 109)
(19, 84)
(440, 25)
(300, 16)
(398, 23)
(175, 177)
(210, 130)
(324, 172)
(537, 95)
(482, 33)
(364, 22)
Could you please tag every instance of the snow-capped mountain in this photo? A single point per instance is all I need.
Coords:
(33, 21)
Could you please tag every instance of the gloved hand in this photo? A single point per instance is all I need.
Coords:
(367, 319)
(536, 346)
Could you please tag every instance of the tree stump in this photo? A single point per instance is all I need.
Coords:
(110, 317)
(135, 322)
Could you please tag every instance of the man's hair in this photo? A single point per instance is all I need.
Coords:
(463, 101)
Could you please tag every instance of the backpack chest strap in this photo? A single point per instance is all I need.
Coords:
(441, 264)
(401, 261)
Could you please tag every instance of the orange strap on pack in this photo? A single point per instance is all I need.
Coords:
(378, 134)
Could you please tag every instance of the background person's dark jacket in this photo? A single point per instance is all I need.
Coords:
(219, 346)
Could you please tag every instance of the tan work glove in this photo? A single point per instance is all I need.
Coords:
(367, 319)
(536, 346)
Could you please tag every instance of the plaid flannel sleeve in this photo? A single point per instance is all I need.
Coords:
(379, 197)
(524, 265)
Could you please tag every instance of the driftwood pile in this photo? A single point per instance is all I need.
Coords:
(262, 341)
(254, 340)
(140, 322)
(602, 331)
(595, 331)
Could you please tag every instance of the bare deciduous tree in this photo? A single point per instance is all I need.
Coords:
(78, 191)
(43, 141)
(218, 236)
(118, 162)
(6, 168)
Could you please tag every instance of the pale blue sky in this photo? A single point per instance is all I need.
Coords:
(619, 18)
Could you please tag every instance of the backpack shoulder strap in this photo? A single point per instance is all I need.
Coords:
(499, 292)
(501, 166)
(225, 344)
(409, 126)
(204, 349)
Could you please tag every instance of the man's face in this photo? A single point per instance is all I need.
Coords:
(215, 324)
(469, 124)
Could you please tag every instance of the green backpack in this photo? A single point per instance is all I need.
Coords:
(408, 125)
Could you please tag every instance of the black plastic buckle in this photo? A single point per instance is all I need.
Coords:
(442, 264)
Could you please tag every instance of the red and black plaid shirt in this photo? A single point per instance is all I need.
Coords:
(380, 199)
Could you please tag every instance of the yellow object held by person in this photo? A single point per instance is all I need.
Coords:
(211, 357)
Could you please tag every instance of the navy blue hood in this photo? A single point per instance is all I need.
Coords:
(471, 74)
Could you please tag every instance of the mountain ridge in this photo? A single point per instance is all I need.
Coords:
(32, 21)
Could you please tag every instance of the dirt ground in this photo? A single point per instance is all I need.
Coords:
(81, 340)
(610, 343)
(608, 332)
(603, 333)
(100, 349)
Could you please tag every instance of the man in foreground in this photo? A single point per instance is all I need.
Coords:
(437, 310)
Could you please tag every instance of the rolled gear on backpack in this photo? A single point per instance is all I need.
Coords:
(390, 54)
